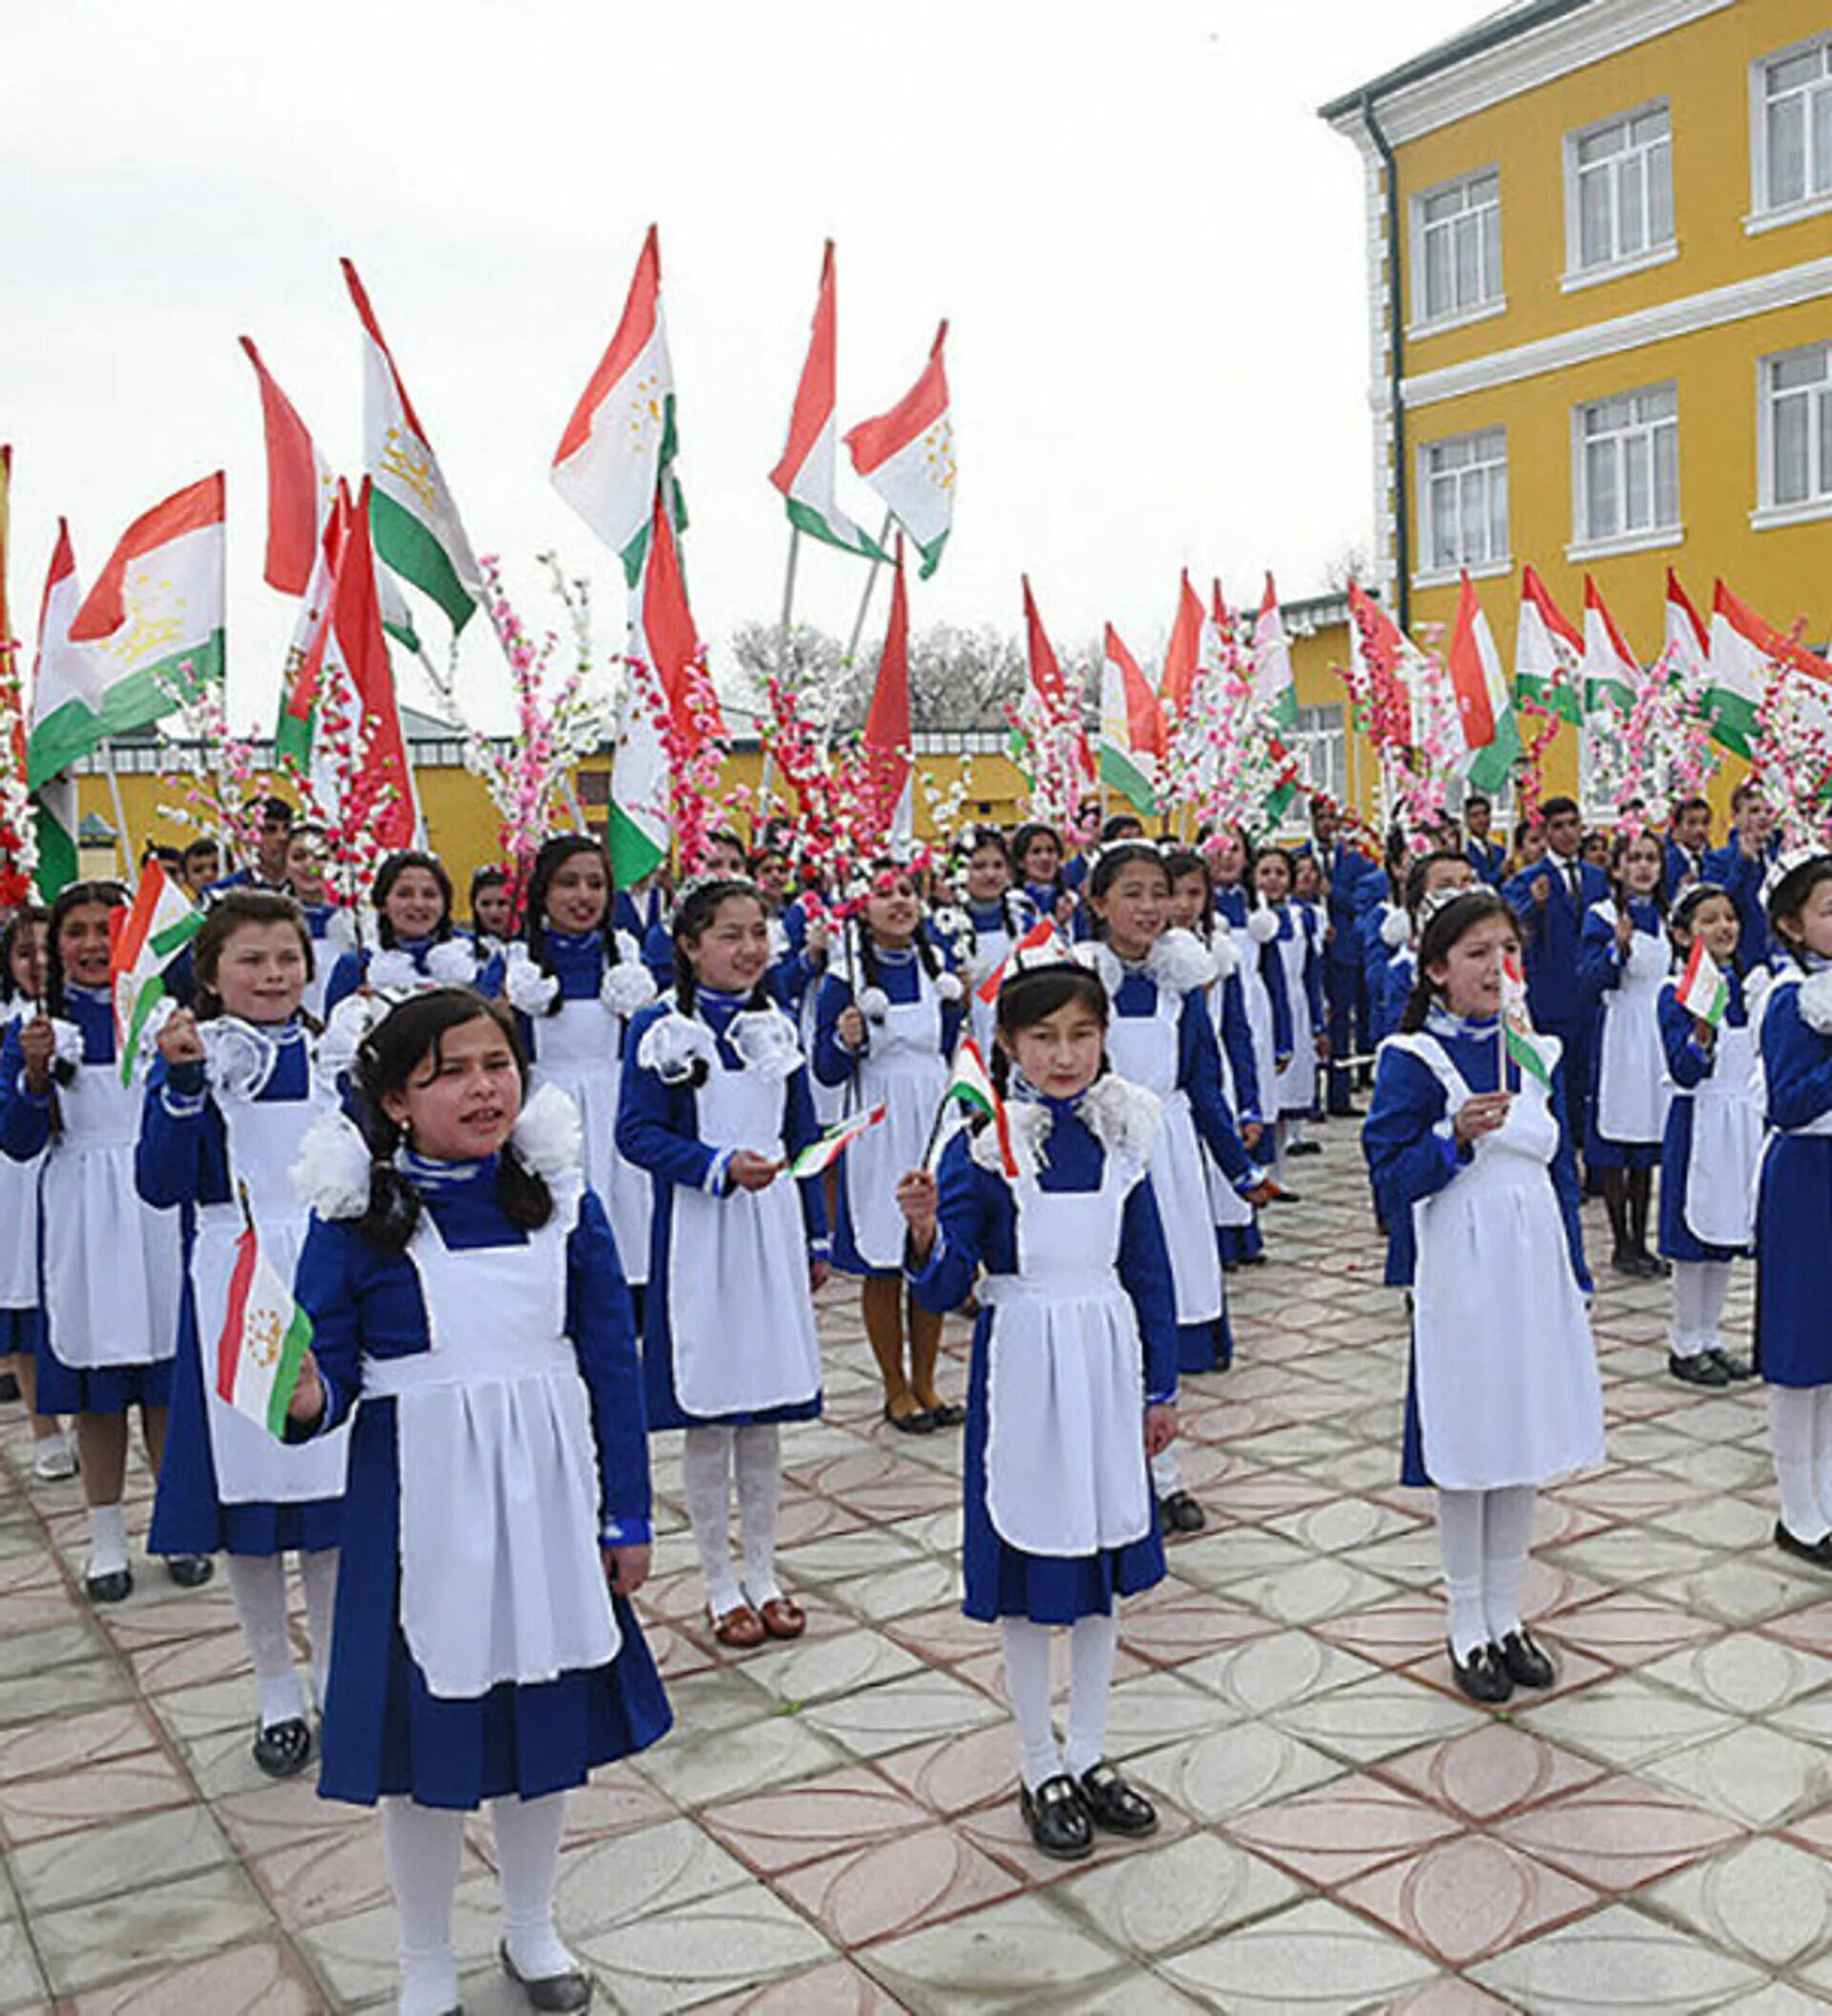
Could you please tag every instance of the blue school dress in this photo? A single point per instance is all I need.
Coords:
(409, 963)
(110, 1267)
(333, 930)
(1237, 1224)
(498, 1440)
(995, 927)
(1794, 1205)
(1626, 1116)
(1502, 1385)
(1713, 1138)
(19, 1322)
(210, 1136)
(1076, 1332)
(1301, 971)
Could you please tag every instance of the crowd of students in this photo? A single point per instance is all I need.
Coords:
(532, 1178)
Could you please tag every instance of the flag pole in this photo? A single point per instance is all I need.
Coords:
(766, 780)
(864, 600)
(126, 840)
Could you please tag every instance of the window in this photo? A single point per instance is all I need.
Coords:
(1627, 472)
(1796, 427)
(1619, 190)
(1456, 238)
(1791, 126)
(1465, 480)
(1320, 741)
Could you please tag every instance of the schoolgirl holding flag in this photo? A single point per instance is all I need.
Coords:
(1475, 1183)
(111, 1266)
(715, 1105)
(889, 1017)
(227, 1105)
(1073, 1378)
(1713, 1133)
(465, 1300)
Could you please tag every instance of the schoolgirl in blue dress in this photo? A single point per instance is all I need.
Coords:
(1161, 1037)
(109, 1266)
(1297, 947)
(715, 1102)
(1429, 882)
(1794, 1204)
(1037, 854)
(1713, 1141)
(1073, 1380)
(575, 981)
(998, 914)
(493, 911)
(1622, 962)
(332, 925)
(418, 947)
(889, 1017)
(228, 1103)
(1253, 928)
(1475, 1183)
(467, 1302)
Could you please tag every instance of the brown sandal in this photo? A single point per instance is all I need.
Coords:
(782, 1617)
(740, 1629)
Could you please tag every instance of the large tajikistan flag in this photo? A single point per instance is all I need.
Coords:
(620, 439)
(417, 530)
(58, 676)
(908, 457)
(1743, 648)
(1548, 652)
(1485, 708)
(666, 682)
(806, 474)
(1610, 669)
(1274, 685)
(1131, 727)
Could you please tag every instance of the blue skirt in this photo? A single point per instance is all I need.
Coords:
(385, 1734)
(1793, 1221)
(1205, 1347)
(187, 1518)
(1677, 1241)
(20, 1330)
(1239, 1243)
(1004, 1582)
(105, 1389)
(1412, 1469)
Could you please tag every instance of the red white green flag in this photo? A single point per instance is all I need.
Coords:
(908, 457)
(806, 471)
(263, 1340)
(1132, 727)
(1688, 642)
(1547, 651)
(1034, 940)
(1517, 1024)
(1743, 650)
(1610, 670)
(143, 941)
(885, 746)
(1274, 685)
(60, 674)
(1703, 991)
(824, 1152)
(973, 1084)
(1183, 655)
(1485, 706)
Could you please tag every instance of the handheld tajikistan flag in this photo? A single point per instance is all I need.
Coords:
(263, 1340)
(973, 1084)
(824, 1152)
(1132, 727)
(908, 457)
(143, 941)
(1703, 991)
(806, 474)
(1518, 1038)
(1485, 707)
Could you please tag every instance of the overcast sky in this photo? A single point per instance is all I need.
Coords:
(1149, 247)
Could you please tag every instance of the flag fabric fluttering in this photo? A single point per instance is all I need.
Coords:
(1132, 728)
(1518, 1036)
(1274, 685)
(1485, 706)
(1703, 991)
(264, 1335)
(1742, 646)
(1183, 654)
(971, 1083)
(908, 457)
(1688, 642)
(414, 518)
(1048, 743)
(1609, 671)
(1547, 651)
(807, 469)
(143, 941)
(60, 675)
(1034, 940)
(824, 1152)
(619, 444)
(885, 748)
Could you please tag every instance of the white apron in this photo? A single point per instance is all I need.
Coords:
(1507, 1386)
(1296, 1086)
(252, 1466)
(1253, 985)
(113, 1266)
(1227, 1207)
(1065, 1444)
(903, 1069)
(740, 1314)
(501, 1577)
(18, 1212)
(575, 1050)
(1145, 1049)
(990, 948)
(1631, 1089)
(829, 1100)
(1727, 1144)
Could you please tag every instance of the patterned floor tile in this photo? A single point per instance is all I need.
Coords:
(63, 1742)
(1312, 1959)
(1465, 1898)
(953, 1776)
(22, 1979)
(1490, 1771)
(142, 1782)
(836, 1989)
(1157, 1708)
(883, 1890)
(167, 1922)
(1276, 1671)
(1173, 1624)
(104, 1862)
(1160, 1899)
(1739, 1589)
(1625, 1722)
(1619, 1833)
(256, 1979)
(704, 1770)
(1767, 1899)
(1378, 1718)
(782, 1829)
(1752, 1774)
(1746, 1674)
(1342, 1829)
(873, 1720)
(613, 1882)
(1235, 1771)
(1000, 1830)
(1026, 1951)
(1630, 1629)
(1619, 1959)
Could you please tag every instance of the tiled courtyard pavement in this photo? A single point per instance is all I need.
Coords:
(831, 1828)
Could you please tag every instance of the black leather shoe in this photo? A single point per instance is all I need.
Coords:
(1059, 1821)
(1734, 1369)
(190, 1570)
(919, 1421)
(1624, 1260)
(1817, 1551)
(1482, 1676)
(946, 1414)
(1114, 1805)
(1182, 1515)
(1652, 1267)
(8, 1387)
(571, 1990)
(1701, 1369)
(1306, 1148)
(1527, 1663)
(116, 1586)
(284, 1749)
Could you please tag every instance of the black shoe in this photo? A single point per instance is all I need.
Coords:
(1734, 1369)
(1652, 1267)
(284, 1749)
(1701, 1369)
(1624, 1260)
(1483, 1675)
(1254, 1260)
(946, 1414)
(919, 1421)
(1286, 1197)
(571, 1990)
(1182, 1515)
(190, 1570)
(8, 1386)
(116, 1586)
(1343, 1113)
(1528, 1665)
(1304, 1148)
(1817, 1551)
(1058, 1819)
(1113, 1804)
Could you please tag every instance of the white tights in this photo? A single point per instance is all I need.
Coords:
(1092, 1643)
(257, 1584)
(1698, 1290)
(1799, 1438)
(1485, 1536)
(708, 1458)
(425, 1845)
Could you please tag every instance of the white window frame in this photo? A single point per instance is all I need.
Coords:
(1770, 514)
(1320, 741)
(1432, 572)
(1588, 544)
(1577, 273)
(1426, 321)
(1766, 215)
